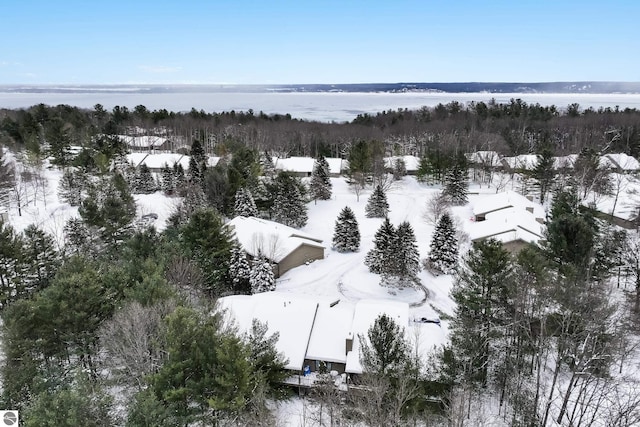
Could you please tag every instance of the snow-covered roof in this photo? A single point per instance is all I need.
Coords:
(490, 158)
(411, 163)
(628, 198)
(317, 329)
(146, 141)
(272, 239)
(366, 312)
(523, 161)
(605, 162)
(564, 162)
(136, 158)
(291, 316)
(508, 225)
(212, 161)
(305, 164)
(331, 328)
(624, 162)
(504, 200)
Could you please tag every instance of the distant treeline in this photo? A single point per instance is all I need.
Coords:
(509, 128)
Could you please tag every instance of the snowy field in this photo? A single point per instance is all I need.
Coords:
(319, 106)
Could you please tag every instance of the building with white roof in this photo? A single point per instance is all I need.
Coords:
(284, 246)
(509, 218)
(146, 142)
(622, 162)
(319, 331)
(489, 159)
(411, 163)
(303, 166)
(290, 316)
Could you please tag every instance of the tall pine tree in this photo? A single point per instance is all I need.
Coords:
(320, 185)
(262, 278)
(40, 257)
(380, 259)
(407, 259)
(346, 236)
(443, 251)
(456, 186)
(239, 269)
(377, 205)
(289, 207)
(244, 203)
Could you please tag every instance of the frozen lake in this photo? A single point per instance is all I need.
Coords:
(320, 106)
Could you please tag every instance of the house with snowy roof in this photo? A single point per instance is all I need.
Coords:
(146, 143)
(509, 218)
(523, 162)
(564, 163)
(303, 166)
(622, 163)
(484, 159)
(325, 332)
(411, 163)
(284, 246)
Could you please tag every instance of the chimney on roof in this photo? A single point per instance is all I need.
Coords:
(348, 343)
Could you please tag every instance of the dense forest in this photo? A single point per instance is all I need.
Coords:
(118, 325)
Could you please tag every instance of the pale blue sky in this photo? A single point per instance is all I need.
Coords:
(324, 41)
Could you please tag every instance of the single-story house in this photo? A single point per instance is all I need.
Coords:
(485, 159)
(156, 161)
(146, 143)
(621, 210)
(303, 166)
(514, 228)
(411, 163)
(488, 203)
(523, 162)
(508, 217)
(284, 246)
(622, 163)
(564, 163)
(316, 332)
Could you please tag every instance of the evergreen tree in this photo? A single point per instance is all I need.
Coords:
(320, 185)
(381, 259)
(456, 186)
(407, 259)
(197, 153)
(239, 269)
(180, 179)
(244, 205)
(481, 292)
(144, 182)
(346, 235)
(399, 169)
(208, 241)
(384, 351)
(40, 257)
(78, 239)
(443, 251)
(11, 265)
(289, 207)
(544, 173)
(110, 208)
(267, 166)
(262, 278)
(167, 180)
(70, 187)
(195, 174)
(377, 205)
